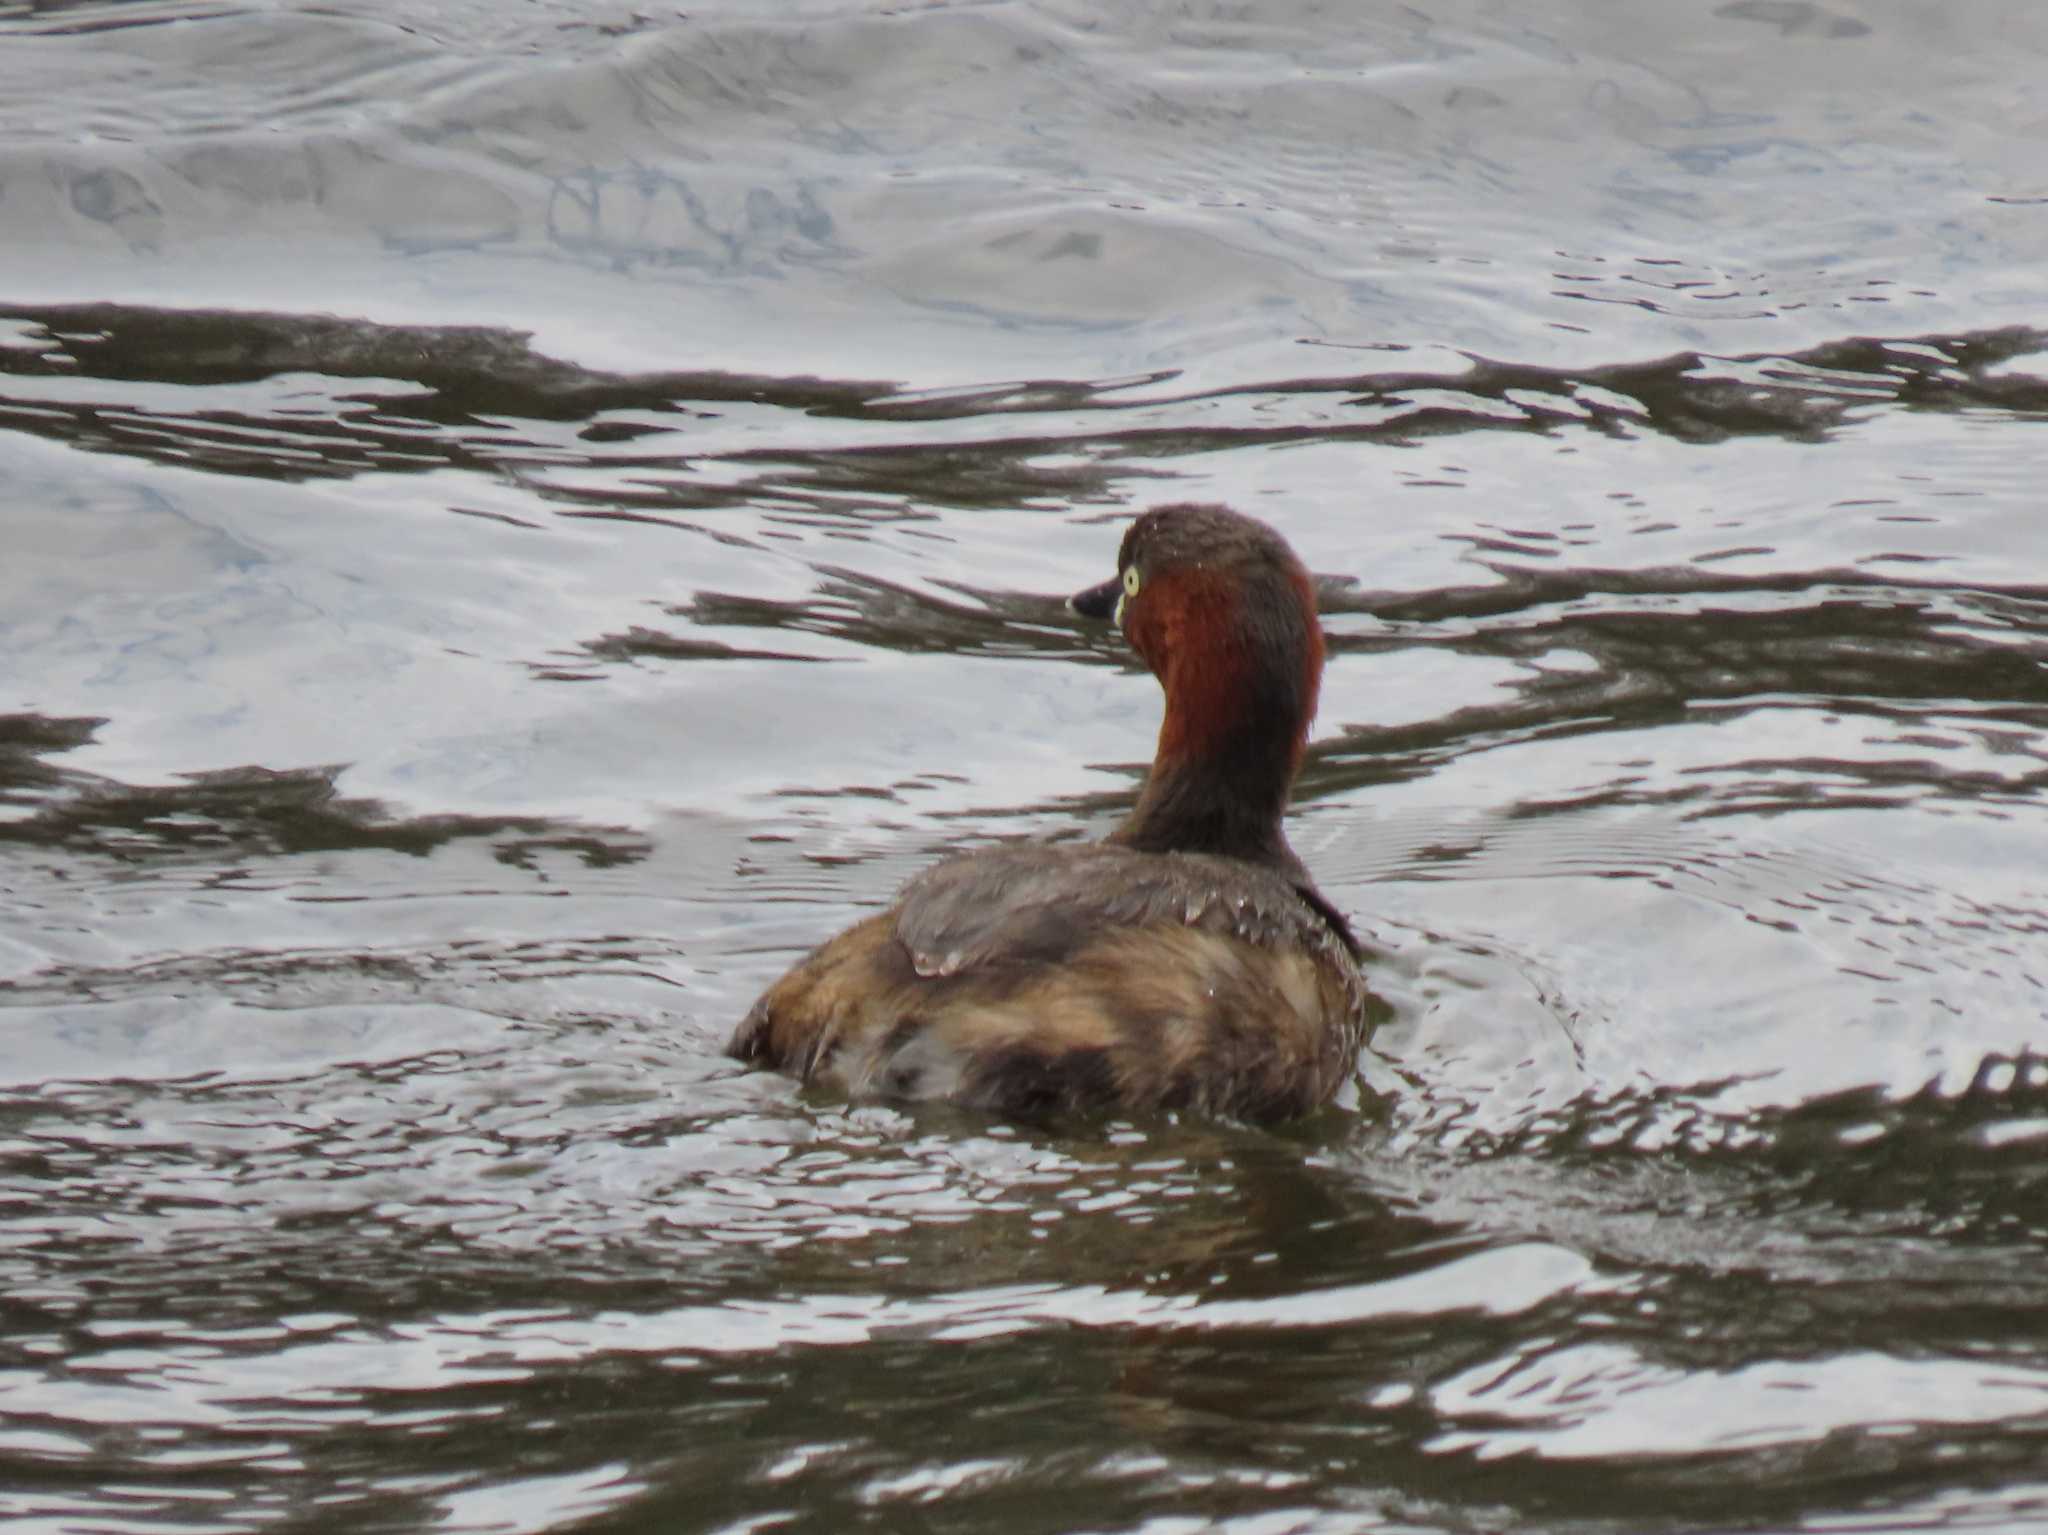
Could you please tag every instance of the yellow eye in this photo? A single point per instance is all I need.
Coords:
(1132, 582)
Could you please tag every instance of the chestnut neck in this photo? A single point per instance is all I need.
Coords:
(1240, 658)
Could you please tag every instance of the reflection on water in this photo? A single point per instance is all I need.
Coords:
(511, 527)
(293, 397)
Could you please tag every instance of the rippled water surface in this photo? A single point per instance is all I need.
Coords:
(515, 521)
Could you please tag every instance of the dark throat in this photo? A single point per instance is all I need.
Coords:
(1203, 805)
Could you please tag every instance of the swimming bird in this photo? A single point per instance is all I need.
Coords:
(1184, 962)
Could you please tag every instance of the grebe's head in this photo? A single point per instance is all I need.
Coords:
(1224, 614)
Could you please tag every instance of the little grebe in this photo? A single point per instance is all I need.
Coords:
(1186, 961)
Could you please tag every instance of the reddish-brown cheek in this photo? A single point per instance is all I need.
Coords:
(1157, 623)
(1189, 624)
(1143, 626)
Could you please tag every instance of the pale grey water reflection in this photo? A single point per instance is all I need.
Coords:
(513, 523)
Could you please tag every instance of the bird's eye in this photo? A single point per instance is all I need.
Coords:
(1132, 581)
